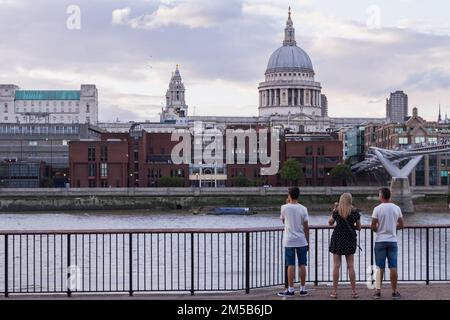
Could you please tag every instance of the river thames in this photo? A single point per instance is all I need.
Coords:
(137, 219)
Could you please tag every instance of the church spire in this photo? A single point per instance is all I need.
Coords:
(289, 32)
(439, 117)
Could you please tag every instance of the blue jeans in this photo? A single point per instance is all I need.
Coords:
(383, 251)
(289, 253)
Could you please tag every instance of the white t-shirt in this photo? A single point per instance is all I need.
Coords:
(295, 215)
(387, 215)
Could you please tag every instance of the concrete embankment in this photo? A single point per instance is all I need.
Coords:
(194, 199)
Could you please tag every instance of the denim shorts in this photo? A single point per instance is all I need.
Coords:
(383, 251)
(289, 253)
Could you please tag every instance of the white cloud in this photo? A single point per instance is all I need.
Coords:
(121, 16)
(12, 3)
(192, 14)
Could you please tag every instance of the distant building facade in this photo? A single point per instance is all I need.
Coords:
(22, 174)
(397, 107)
(101, 163)
(43, 143)
(317, 154)
(433, 170)
(353, 143)
(48, 106)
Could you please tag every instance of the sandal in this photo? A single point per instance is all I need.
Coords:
(333, 295)
(355, 295)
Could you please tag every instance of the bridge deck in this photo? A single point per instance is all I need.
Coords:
(408, 291)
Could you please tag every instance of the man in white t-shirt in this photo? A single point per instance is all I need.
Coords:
(295, 240)
(387, 218)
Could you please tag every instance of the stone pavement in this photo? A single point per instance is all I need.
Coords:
(321, 292)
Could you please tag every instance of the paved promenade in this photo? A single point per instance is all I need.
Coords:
(408, 291)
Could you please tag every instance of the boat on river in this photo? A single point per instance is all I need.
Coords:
(232, 211)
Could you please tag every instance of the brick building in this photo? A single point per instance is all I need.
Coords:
(318, 154)
(99, 163)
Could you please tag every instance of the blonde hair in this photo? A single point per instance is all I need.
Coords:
(345, 205)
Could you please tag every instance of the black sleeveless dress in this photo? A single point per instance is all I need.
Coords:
(343, 239)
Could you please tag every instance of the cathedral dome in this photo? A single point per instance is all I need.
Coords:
(289, 58)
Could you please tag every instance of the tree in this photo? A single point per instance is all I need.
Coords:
(241, 181)
(343, 173)
(291, 171)
(47, 183)
(170, 182)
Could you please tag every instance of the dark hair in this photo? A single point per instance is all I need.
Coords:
(294, 192)
(385, 193)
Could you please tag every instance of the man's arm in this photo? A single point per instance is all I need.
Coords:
(374, 225)
(306, 230)
(400, 223)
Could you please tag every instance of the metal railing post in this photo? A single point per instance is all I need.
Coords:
(6, 266)
(371, 248)
(247, 262)
(192, 264)
(427, 255)
(130, 258)
(69, 292)
(316, 258)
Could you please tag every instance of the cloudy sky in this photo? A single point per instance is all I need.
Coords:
(361, 51)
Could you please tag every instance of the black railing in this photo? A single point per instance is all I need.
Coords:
(188, 260)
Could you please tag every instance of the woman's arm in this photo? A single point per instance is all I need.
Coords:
(358, 225)
(331, 219)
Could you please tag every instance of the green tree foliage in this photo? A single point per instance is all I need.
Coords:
(342, 173)
(171, 182)
(291, 171)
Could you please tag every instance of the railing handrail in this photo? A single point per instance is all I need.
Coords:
(187, 230)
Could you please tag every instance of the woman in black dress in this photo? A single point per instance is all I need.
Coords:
(343, 239)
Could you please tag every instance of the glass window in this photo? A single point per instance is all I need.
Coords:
(104, 153)
(432, 140)
(91, 169)
(419, 140)
(103, 170)
(403, 140)
(91, 154)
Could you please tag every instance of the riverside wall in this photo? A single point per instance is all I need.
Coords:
(434, 199)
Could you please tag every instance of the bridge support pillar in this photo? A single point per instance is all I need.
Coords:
(401, 194)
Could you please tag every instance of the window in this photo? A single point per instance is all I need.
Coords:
(419, 140)
(103, 170)
(92, 184)
(6, 108)
(6, 118)
(33, 143)
(309, 150)
(403, 140)
(104, 153)
(91, 154)
(91, 170)
(88, 120)
(432, 140)
(87, 108)
(321, 150)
